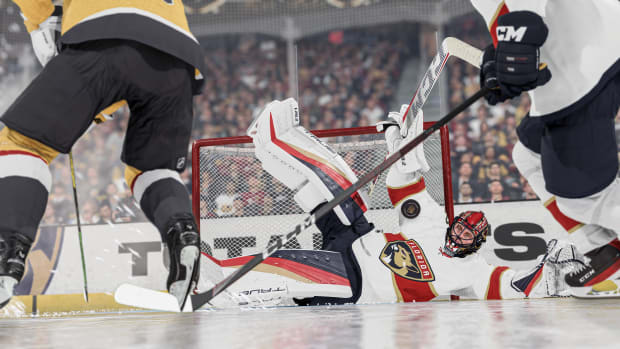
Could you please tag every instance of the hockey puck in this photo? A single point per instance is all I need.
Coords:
(410, 209)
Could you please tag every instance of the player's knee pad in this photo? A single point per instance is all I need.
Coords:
(302, 162)
(161, 195)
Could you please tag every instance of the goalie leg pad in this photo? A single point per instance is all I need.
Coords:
(296, 158)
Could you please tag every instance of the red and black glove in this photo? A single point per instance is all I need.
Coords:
(514, 66)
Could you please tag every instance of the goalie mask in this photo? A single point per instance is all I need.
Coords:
(466, 234)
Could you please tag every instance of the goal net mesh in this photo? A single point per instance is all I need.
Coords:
(243, 208)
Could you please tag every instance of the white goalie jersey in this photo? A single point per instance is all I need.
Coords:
(410, 265)
(363, 265)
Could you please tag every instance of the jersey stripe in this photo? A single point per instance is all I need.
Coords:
(494, 287)
(145, 179)
(409, 290)
(397, 195)
(133, 10)
(501, 10)
(23, 164)
(566, 222)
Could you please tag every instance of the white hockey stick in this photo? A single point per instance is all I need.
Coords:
(449, 47)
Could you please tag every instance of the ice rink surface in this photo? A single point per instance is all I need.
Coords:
(550, 323)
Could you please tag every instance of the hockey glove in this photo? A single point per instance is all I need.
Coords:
(488, 77)
(520, 35)
(45, 37)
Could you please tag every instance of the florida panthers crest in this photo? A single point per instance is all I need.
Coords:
(406, 259)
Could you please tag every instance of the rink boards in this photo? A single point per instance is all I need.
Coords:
(121, 253)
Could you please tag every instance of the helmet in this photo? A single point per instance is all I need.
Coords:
(466, 234)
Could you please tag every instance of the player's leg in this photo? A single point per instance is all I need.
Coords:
(155, 150)
(579, 165)
(47, 118)
(309, 166)
(585, 236)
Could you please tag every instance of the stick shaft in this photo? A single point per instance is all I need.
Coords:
(79, 226)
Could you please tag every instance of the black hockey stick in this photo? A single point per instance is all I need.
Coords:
(79, 226)
(198, 300)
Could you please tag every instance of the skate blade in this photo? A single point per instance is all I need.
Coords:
(604, 289)
(182, 288)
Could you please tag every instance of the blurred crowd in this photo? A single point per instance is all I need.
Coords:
(345, 79)
(482, 137)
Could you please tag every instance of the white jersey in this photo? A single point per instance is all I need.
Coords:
(408, 265)
(582, 49)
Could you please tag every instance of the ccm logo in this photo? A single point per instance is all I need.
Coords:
(509, 33)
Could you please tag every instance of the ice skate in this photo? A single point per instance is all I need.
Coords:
(600, 277)
(13, 252)
(183, 244)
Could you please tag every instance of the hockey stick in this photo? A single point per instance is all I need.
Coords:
(449, 47)
(79, 226)
(198, 300)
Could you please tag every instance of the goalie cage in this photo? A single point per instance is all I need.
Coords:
(242, 208)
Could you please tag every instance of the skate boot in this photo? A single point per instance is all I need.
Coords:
(13, 252)
(600, 278)
(183, 244)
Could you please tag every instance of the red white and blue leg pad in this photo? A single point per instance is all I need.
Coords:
(303, 162)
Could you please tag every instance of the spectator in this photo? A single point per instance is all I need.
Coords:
(224, 203)
(254, 197)
(465, 193)
(496, 190)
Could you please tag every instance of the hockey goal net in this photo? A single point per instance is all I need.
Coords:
(242, 208)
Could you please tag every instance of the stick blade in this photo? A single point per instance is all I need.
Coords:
(135, 296)
(464, 51)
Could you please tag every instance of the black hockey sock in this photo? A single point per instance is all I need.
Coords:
(164, 202)
(22, 205)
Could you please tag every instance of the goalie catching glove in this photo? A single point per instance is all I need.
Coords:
(546, 279)
(302, 162)
(415, 160)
